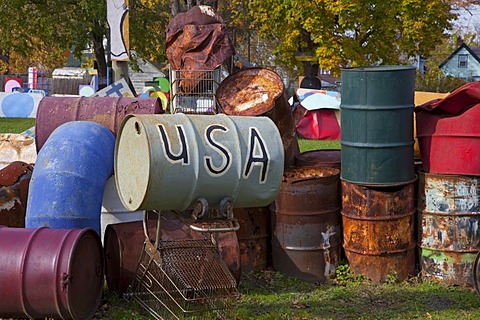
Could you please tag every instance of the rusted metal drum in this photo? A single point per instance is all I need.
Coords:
(107, 111)
(449, 219)
(260, 92)
(306, 229)
(378, 234)
(124, 244)
(70, 174)
(14, 182)
(377, 125)
(253, 237)
(168, 162)
(330, 158)
(50, 273)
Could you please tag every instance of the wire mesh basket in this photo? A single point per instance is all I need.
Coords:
(184, 279)
(193, 91)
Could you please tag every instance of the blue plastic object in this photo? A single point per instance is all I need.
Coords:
(67, 184)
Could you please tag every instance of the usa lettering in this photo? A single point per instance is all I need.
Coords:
(176, 151)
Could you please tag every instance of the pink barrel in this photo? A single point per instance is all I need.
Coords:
(50, 273)
(107, 111)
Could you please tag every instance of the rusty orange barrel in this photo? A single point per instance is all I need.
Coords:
(50, 273)
(253, 237)
(260, 92)
(330, 158)
(378, 230)
(449, 234)
(306, 228)
(107, 111)
(124, 245)
(14, 182)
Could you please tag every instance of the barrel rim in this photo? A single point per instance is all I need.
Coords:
(381, 68)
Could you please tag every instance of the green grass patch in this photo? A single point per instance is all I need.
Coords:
(15, 125)
(308, 145)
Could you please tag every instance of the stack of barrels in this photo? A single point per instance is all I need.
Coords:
(377, 171)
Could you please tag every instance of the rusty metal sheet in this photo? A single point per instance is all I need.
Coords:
(198, 40)
(253, 237)
(260, 92)
(14, 182)
(378, 230)
(124, 245)
(306, 224)
(449, 234)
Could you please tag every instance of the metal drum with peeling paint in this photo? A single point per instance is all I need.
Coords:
(377, 125)
(306, 226)
(14, 182)
(50, 273)
(107, 111)
(69, 178)
(260, 92)
(124, 244)
(170, 161)
(449, 233)
(378, 230)
(253, 237)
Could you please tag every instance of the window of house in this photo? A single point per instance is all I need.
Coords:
(462, 60)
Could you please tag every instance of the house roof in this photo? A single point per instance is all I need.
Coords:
(474, 52)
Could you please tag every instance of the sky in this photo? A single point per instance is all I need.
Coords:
(468, 20)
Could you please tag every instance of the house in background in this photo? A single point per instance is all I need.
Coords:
(463, 63)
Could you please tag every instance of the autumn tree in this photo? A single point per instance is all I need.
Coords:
(345, 33)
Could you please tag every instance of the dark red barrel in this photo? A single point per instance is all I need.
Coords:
(107, 111)
(50, 273)
(330, 158)
(14, 182)
(124, 245)
(253, 237)
(306, 226)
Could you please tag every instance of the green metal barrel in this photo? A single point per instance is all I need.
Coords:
(377, 125)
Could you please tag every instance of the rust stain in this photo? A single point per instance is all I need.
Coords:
(14, 182)
(378, 229)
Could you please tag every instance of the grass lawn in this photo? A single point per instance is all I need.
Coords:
(15, 125)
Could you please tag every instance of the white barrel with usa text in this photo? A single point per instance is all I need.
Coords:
(167, 162)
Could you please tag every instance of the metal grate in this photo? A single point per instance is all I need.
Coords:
(184, 279)
(193, 91)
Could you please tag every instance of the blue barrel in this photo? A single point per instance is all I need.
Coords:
(69, 178)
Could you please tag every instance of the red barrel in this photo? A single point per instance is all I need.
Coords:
(14, 182)
(124, 245)
(107, 111)
(50, 273)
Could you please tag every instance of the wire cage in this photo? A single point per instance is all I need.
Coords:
(184, 279)
(193, 91)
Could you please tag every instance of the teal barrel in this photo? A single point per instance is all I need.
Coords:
(167, 162)
(377, 125)
(69, 177)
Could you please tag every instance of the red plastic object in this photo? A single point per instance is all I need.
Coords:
(450, 144)
(321, 124)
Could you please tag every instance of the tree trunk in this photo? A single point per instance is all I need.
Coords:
(99, 54)
(175, 7)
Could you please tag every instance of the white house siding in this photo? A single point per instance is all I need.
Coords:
(470, 73)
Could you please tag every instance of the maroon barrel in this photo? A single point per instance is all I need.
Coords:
(50, 273)
(306, 226)
(14, 182)
(107, 111)
(330, 158)
(253, 237)
(123, 245)
(260, 92)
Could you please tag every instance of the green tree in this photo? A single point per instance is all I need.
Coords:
(346, 33)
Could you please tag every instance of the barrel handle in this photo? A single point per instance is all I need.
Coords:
(158, 233)
(208, 228)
